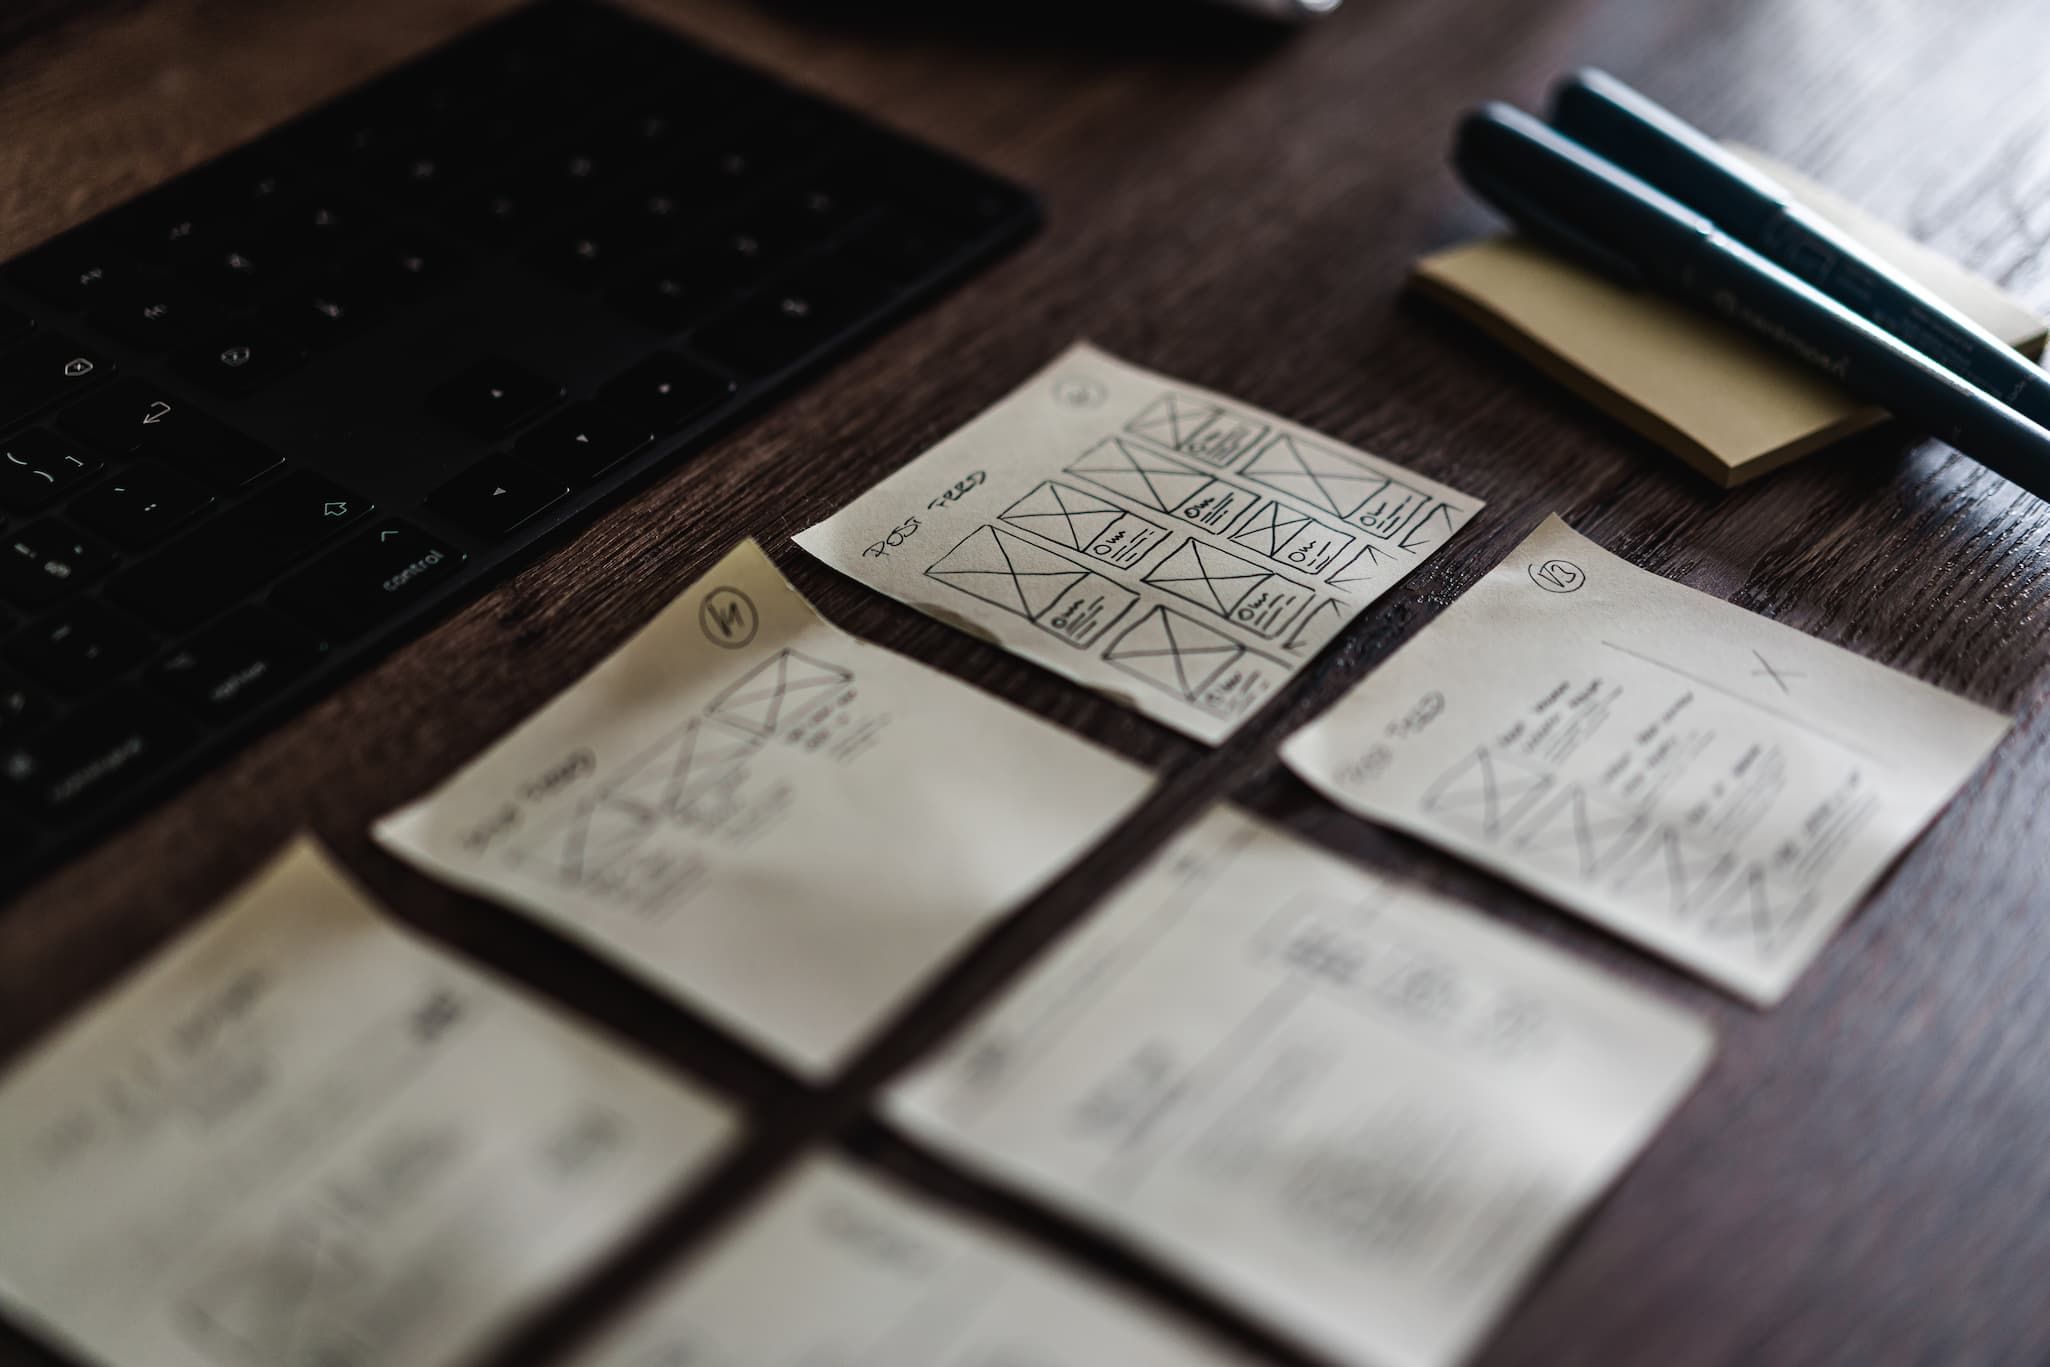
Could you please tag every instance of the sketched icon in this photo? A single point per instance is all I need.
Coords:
(1208, 577)
(1009, 571)
(1064, 515)
(1485, 793)
(1271, 528)
(761, 699)
(1318, 475)
(1673, 874)
(1139, 473)
(1174, 653)
(1579, 833)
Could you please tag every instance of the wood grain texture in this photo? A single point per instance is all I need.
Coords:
(1863, 1177)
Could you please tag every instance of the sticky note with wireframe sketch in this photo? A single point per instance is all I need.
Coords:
(1175, 549)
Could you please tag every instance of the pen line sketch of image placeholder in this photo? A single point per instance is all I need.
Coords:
(1198, 428)
(1315, 475)
(1176, 653)
(1025, 578)
(1763, 916)
(1081, 521)
(1216, 580)
(1137, 472)
(1485, 793)
(1579, 833)
(699, 758)
(1280, 530)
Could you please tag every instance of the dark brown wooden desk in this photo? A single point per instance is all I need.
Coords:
(1864, 1177)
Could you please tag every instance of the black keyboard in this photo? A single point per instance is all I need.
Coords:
(278, 415)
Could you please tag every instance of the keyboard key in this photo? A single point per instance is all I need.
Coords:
(255, 180)
(742, 253)
(665, 391)
(73, 272)
(155, 316)
(238, 359)
(302, 508)
(502, 211)
(93, 756)
(493, 397)
(46, 560)
(174, 227)
(236, 555)
(815, 207)
(574, 170)
(318, 227)
(403, 270)
(215, 455)
(130, 418)
(79, 649)
(670, 295)
(780, 326)
(577, 257)
(45, 371)
(139, 506)
(239, 662)
(327, 311)
(496, 495)
(368, 581)
(238, 273)
(418, 171)
(37, 469)
(582, 442)
(22, 709)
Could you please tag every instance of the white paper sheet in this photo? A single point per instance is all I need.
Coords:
(1717, 787)
(1178, 550)
(842, 1269)
(301, 1137)
(1358, 1110)
(777, 823)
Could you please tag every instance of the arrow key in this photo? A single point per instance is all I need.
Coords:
(582, 442)
(496, 495)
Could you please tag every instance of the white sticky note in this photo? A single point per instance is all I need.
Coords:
(838, 1267)
(1717, 787)
(303, 1136)
(1352, 1107)
(1178, 550)
(781, 825)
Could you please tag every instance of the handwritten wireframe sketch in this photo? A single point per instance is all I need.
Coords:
(781, 825)
(300, 1135)
(1717, 787)
(1177, 550)
(840, 1268)
(1356, 1109)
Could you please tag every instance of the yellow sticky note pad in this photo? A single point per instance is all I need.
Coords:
(1727, 404)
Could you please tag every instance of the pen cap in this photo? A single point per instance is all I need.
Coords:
(1563, 194)
(1650, 142)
